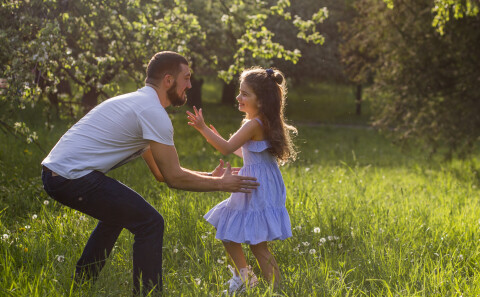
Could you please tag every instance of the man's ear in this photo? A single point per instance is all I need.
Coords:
(168, 80)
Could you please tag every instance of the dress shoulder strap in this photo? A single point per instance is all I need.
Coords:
(259, 121)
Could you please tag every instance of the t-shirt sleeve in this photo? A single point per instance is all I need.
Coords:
(156, 125)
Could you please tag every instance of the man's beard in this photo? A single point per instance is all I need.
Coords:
(173, 96)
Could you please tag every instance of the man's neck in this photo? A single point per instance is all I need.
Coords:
(162, 95)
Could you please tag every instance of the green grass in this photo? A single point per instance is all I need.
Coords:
(391, 223)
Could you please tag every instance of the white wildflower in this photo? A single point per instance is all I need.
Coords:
(5, 236)
(316, 151)
(204, 236)
(322, 240)
(330, 238)
(34, 217)
(307, 169)
(316, 230)
(298, 227)
(312, 251)
(46, 202)
(460, 257)
(340, 246)
(27, 227)
(198, 281)
(175, 250)
(60, 258)
(220, 261)
(306, 243)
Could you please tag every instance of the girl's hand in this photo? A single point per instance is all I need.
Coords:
(196, 120)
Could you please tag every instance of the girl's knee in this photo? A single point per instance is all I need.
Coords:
(261, 248)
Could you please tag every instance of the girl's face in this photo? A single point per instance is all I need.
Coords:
(247, 101)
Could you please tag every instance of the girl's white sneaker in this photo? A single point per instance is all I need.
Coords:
(237, 284)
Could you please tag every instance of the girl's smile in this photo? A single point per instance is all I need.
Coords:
(247, 101)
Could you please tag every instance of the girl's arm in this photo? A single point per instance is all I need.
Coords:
(238, 152)
(244, 134)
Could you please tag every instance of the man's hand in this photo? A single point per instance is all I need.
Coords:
(219, 170)
(237, 183)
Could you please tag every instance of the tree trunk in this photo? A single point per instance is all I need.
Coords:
(89, 100)
(194, 94)
(229, 93)
(358, 100)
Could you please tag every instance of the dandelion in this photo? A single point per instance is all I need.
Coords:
(340, 246)
(316, 230)
(198, 281)
(330, 238)
(306, 243)
(5, 236)
(25, 250)
(220, 261)
(298, 227)
(204, 236)
(60, 258)
(307, 169)
(46, 202)
(27, 227)
(312, 251)
(295, 249)
(175, 250)
(34, 217)
(322, 240)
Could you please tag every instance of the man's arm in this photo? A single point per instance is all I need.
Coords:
(166, 159)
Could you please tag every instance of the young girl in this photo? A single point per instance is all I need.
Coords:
(263, 141)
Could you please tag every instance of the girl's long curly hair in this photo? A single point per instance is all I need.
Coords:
(270, 87)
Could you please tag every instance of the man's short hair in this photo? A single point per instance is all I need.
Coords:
(163, 63)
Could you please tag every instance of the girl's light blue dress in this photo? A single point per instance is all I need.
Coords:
(260, 215)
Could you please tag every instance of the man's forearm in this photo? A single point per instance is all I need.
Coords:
(195, 181)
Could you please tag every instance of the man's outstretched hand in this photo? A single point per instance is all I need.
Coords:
(219, 170)
(237, 183)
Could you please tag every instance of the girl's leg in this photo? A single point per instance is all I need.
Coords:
(236, 253)
(267, 262)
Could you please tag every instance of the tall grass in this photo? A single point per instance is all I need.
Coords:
(368, 220)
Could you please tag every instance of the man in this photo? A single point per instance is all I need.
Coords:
(110, 135)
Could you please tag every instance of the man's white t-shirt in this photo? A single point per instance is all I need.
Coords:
(113, 133)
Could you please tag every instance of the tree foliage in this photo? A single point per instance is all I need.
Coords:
(71, 53)
(425, 82)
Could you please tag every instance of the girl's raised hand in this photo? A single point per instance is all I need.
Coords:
(196, 120)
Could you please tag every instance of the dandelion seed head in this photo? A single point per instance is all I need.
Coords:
(312, 251)
(175, 250)
(60, 258)
(220, 261)
(322, 240)
(5, 236)
(316, 230)
(306, 243)
(46, 202)
(34, 217)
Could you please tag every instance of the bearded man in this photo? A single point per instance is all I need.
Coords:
(113, 133)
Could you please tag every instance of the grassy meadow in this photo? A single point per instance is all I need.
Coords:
(368, 218)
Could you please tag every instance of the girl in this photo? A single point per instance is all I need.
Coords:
(262, 140)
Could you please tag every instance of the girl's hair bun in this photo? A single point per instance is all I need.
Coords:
(275, 75)
(278, 77)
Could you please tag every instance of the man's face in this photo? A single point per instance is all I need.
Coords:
(177, 93)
